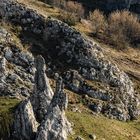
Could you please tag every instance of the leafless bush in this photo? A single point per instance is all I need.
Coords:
(120, 29)
(126, 25)
(98, 22)
(71, 7)
(68, 18)
(75, 8)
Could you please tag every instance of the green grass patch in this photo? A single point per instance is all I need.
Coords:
(86, 124)
(7, 106)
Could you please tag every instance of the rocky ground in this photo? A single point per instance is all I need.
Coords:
(35, 47)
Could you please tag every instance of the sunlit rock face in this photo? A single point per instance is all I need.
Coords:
(42, 91)
(55, 125)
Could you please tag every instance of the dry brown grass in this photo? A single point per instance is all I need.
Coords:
(43, 9)
(69, 18)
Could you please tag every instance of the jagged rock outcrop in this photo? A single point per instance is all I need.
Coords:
(55, 126)
(75, 51)
(44, 108)
(18, 14)
(16, 66)
(77, 83)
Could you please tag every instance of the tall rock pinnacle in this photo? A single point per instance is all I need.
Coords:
(42, 92)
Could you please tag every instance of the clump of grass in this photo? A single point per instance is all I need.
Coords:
(7, 107)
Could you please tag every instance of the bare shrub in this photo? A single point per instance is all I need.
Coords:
(72, 13)
(98, 22)
(68, 18)
(75, 8)
(58, 3)
(126, 25)
(120, 29)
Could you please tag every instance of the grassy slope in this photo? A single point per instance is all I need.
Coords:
(104, 128)
(43, 9)
(86, 123)
(7, 106)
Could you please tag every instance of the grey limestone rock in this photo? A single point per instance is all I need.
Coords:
(55, 125)
(25, 124)
(44, 107)
(16, 67)
(43, 93)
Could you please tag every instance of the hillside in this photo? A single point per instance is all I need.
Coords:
(58, 82)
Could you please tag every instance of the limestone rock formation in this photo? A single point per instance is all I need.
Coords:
(88, 60)
(42, 91)
(43, 114)
(80, 62)
(17, 13)
(55, 126)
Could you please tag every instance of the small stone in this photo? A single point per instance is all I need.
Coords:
(92, 136)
